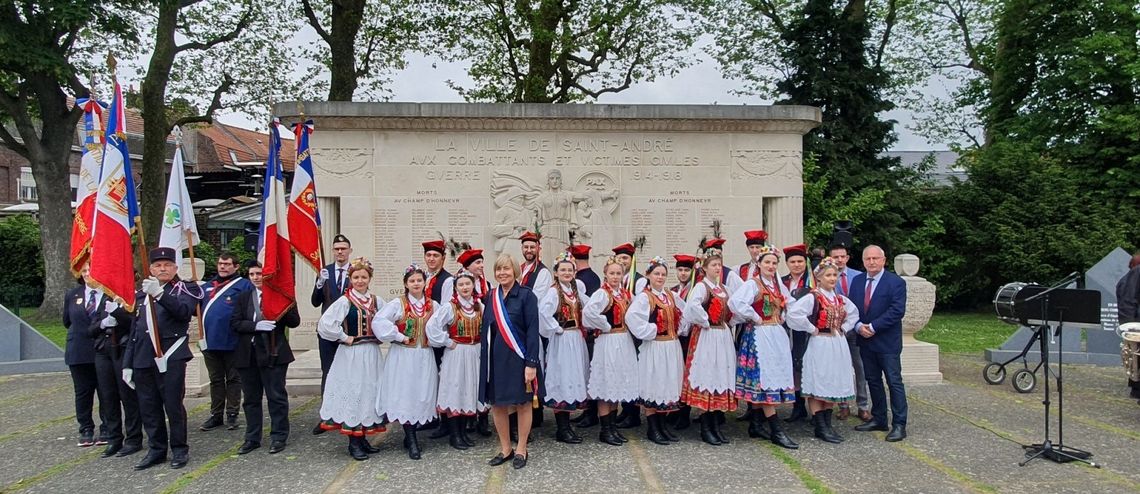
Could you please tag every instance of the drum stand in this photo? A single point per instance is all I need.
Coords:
(1058, 453)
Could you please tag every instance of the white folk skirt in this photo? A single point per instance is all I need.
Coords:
(567, 370)
(714, 361)
(408, 387)
(660, 370)
(613, 371)
(353, 385)
(827, 372)
(459, 381)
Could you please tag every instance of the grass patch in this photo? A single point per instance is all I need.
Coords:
(813, 483)
(52, 328)
(965, 332)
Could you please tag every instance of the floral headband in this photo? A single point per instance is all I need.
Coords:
(657, 261)
(768, 249)
(564, 256)
(360, 263)
(413, 267)
(825, 264)
(463, 272)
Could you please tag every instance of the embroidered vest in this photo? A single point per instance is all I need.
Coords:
(717, 308)
(615, 309)
(358, 322)
(769, 304)
(413, 326)
(465, 329)
(569, 313)
(828, 316)
(665, 315)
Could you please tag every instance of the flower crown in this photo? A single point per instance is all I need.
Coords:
(360, 263)
(464, 272)
(657, 261)
(610, 260)
(413, 267)
(564, 256)
(768, 249)
(825, 263)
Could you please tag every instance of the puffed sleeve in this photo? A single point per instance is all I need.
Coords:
(542, 283)
(437, 325)
(637, 318)
(799, 314)
(733, 282)
(547, 306)
(639, 285)
(329, 326)
(447, 290)
(694, 311)
(852, 318)
(384, 322)
(740, 303)
(592, 316)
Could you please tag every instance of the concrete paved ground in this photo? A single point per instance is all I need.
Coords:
(965, 436)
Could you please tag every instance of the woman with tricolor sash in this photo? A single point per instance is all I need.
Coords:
(509, 375)
(613, 370)
(455, 326)
(349, 402)
(408, 386)
(567, 360)
(654, 317)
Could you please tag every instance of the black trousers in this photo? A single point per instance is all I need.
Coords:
(799, 346)
(225, 382)
(160, 400)
(118, 404)
(269, 381)
(85, 382)
(328, 351)
(876, 366)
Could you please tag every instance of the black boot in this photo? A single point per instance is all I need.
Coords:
(442, 430)
(747, 414)
(614, 427)
(629, 417)
(482, 425)
(829, 430)
(455, 427)
(779, 437)
(665, 429)
(756, 428)
(799, 411)
(683, 419)
(354, 449)
(707, 425)
(606, 435)
(653, 430)
(367, 446)
(564, 434)
(513, 421)
(411, 442)
(590, 416)
(464, 426)
(717, 422)
(537, 416)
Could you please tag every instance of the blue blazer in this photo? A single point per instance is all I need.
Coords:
(888, 305)
(80, 348)
(324, 296)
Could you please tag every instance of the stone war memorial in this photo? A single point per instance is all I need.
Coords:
(392, 175)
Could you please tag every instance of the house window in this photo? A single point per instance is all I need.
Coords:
(27, 185)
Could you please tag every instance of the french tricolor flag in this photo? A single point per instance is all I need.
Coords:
(273, 250)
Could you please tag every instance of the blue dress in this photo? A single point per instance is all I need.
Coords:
(501, 370)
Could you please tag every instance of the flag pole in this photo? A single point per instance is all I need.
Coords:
(190, 243)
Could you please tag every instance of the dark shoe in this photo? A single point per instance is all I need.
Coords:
(466, 424)
(367, 446)
(231, 422)
(500, 458)
(653, 430)
(844, 412)
(276, 447)
(756, 428)
(799, 411)
(318, 430)
(829, 429)
(111, 449)
(248, 446)
(86, 439)
(564, 434)
(673, 438)
(211, 423)
(871, 425)
(454, 426)
(898, 433)
(606, 435)
(822, 428)
(629, 417)
(441, 430)
(129, 450)
(590, 416)
(355, 450)
(482, 425)
(614, 428)
(683, 419)
(179, 462)
(864, 415)
(707, 434)
(717, 428)
(519, 461)
(150, 460)
(779, 437)
(413, 443)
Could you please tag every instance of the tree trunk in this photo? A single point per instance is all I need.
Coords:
(347, 16)
(540, 64)
(156, 125)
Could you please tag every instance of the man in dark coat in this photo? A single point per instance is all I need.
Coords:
(118, 403)
(80, 306)
(880, 296)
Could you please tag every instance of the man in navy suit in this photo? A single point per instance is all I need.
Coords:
(331, 284)
(880, 296)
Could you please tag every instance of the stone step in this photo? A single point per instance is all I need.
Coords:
(303, 387)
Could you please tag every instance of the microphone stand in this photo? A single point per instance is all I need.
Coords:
(1058, 453)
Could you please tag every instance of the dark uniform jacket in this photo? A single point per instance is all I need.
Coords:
(268, 348)
(172, 313)
(80, 348)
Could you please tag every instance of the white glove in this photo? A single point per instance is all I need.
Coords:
(111, 306)
(264, 325)
(152, 287)
(128, 377)
(108, 322)
(322, 278)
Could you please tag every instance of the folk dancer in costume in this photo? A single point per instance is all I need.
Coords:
(332, 283)
(840, 254)
(220, 341)
(590, 280)
(472, 262)
(613, 367)
(710, 367)
(262, 356)
(567, 367)
(536, 276)
(438, 278)
(827, 317)
(685, 265)
(634, 282)
(764, 362)
(509, 374)
(165, 305)
(654, 317)
(454, 326)
(410, 379)
(349, 398)
(798, 283)
(80, 308)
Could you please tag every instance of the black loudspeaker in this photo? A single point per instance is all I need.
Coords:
(252, 232)
(841, 234)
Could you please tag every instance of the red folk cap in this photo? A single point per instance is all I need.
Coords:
(469, 256)
(795, 250)
(580, 251)
(436, 245)
(685, 260)
(530, 237)
(755, 237)
(714, 243)
(626, 248)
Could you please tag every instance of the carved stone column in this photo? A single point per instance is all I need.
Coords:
(919, 359)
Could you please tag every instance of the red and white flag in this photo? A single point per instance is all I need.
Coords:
(88, 186)
(273, 250)
(303, 217)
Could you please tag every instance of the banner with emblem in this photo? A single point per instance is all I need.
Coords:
(273, 249)
(303, 217)
(88, 187)
(179, 228)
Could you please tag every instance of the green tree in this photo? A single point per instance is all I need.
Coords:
(561, 51)
(22, 266)
(45, 52)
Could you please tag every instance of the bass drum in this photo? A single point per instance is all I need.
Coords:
(1005, 301)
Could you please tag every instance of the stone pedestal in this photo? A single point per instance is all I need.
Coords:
(919, 359)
